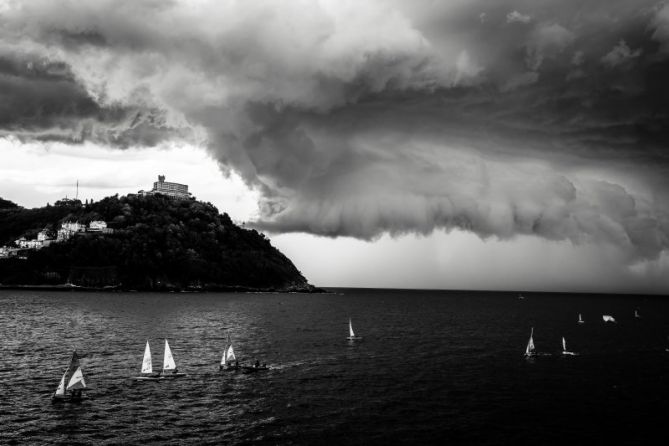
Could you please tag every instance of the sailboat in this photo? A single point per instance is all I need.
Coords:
(580, 319)
(72, 384)
(169, 366)
(530, 350)
(351, 334)
(147, 366)
(228, 357)
(564, 349)
(636, 314)
(608, 318)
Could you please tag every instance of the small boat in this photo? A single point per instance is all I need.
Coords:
(636, 314)
(564, 349)
(147, 367)
(521, 297)
(351, 334)
(169, 366)
(228, 357)
(608, 318)
(72, 384)
(580, 319)
(530, 350)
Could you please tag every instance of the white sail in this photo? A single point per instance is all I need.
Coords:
(230, 354)
(350, 328)
(530, 344)
(608, 318)
(636, 314)
(147, 367)
(61, 387)
(580, 319)
(225, 353)
(77, 380)
(168, 362)
(564, 345)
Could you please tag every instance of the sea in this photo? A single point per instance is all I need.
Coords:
(432, 367)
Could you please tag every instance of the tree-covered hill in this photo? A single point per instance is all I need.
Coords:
(158, 243)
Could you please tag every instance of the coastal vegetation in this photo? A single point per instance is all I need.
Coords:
(156, 243)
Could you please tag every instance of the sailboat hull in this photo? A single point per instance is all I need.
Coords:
(353, 338)
(172, 375)
(68, 398)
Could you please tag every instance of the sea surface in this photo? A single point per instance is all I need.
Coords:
(433, 367)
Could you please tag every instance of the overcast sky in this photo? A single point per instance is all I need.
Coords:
(455, 144)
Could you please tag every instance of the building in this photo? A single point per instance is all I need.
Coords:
(68, 229)
(43, 235)
(97, 226)
(28, 244)
(174, 190)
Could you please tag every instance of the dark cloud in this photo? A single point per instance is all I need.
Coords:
(363, 118)
(41, 99)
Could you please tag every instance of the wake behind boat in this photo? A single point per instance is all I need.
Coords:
(72, 384)
(351, 334)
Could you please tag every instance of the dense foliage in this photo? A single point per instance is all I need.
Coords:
(157, 243)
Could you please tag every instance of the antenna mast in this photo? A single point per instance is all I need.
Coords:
(77, 196)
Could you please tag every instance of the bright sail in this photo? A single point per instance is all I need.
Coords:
(61, 387)
(564, 345)
(230, 354)
(168, 362)
(350, 328)
(529, 350)
(146, 362)
(580, 319)
(608, 318)
(77, 381)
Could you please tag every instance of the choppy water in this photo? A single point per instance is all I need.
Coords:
(433, 367)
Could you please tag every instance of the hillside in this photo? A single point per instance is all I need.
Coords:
(157, 243)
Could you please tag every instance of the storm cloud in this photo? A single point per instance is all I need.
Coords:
(364, 118)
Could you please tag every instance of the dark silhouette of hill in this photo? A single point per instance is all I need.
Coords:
(157, 243)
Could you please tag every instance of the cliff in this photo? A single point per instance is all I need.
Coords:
(157, 243)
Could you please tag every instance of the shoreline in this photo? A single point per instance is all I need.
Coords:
(310, 289)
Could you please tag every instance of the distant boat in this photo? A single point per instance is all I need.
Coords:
(351, 333)
(520, 296)
(169, 366)
(608, 318)
(564, 349)
(530, 350)
(228, 357)
(72, 384)
(580, 319)
(636, 314)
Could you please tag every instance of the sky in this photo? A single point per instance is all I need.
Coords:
(467, 144)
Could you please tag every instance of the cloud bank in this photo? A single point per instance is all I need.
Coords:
(364, 118)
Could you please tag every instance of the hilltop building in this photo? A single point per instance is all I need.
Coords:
(97, 226)
(174, 190)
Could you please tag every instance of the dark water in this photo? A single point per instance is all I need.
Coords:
(433, 368)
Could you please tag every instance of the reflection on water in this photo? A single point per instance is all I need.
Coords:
(432, 367)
